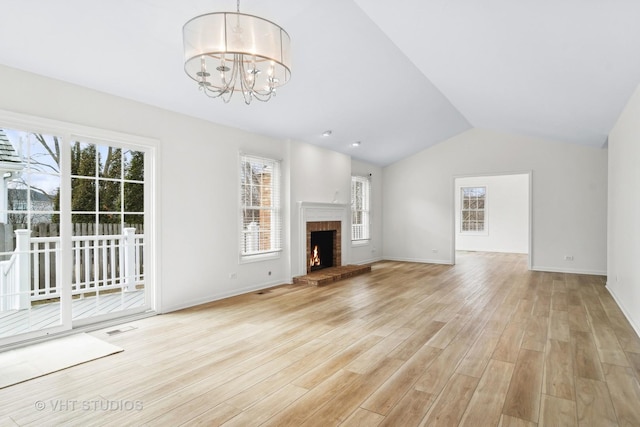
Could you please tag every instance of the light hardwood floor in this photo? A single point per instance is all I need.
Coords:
(482, 343)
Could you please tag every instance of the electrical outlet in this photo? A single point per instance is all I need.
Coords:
(568, 257)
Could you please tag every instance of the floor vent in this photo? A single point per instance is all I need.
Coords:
(121, 330)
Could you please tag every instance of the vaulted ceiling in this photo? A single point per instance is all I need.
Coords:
(397, 76)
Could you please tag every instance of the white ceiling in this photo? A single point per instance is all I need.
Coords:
(398, 76)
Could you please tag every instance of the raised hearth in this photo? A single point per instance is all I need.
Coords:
(331, 275)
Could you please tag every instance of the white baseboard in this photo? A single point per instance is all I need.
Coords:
(618, 301)
(420, 260)
(221, 295)
(368, 261)
(569, 270)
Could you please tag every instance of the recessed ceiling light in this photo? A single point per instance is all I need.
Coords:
(327, 133)
(355, 144)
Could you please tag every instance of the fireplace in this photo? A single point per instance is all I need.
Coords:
(333, 218)
(323, 245)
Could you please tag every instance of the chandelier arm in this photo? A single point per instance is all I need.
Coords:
(213, 93)
(234, 76)
(237, 72)
(264, 97)
(242, 75)
(222, 68)
(248, 76)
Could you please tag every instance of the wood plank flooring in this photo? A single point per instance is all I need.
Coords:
(482, 343)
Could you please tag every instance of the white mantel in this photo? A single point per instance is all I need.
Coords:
(316, 211)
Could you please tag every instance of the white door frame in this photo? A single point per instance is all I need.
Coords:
(70, 132)
(529, 173)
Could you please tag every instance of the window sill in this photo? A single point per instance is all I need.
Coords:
(474, 233)
(356, 243)
(246, 259)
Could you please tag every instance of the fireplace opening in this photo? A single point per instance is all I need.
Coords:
(322, 244)
(327, 236)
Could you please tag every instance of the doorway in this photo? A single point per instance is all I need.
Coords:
(492, 213)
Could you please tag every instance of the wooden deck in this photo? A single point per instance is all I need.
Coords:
(46, 315)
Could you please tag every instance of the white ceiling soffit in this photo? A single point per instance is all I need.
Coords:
(561, 70)
(399, 78)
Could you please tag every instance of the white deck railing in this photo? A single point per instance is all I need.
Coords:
(9, 286)
(99, 263)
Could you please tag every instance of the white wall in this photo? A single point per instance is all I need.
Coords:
(198, 172)
(320, 175)
(317, 175)
(198, 182)
(569, 198)
(198, 175)
(624, 211)
(506, 214)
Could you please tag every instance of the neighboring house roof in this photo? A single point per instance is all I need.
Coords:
(36, 196)
(9, 158)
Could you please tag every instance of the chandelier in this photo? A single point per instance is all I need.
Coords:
(227, 52)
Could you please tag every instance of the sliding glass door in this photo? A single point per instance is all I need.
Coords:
(107, 216)
(31, 294)
(74, 229)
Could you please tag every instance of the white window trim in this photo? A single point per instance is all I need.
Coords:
(276, 252)
(484, 232)
(366, 240)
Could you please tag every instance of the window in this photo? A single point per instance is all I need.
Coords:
(472, 212)
(360, 205)
(260, 215)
